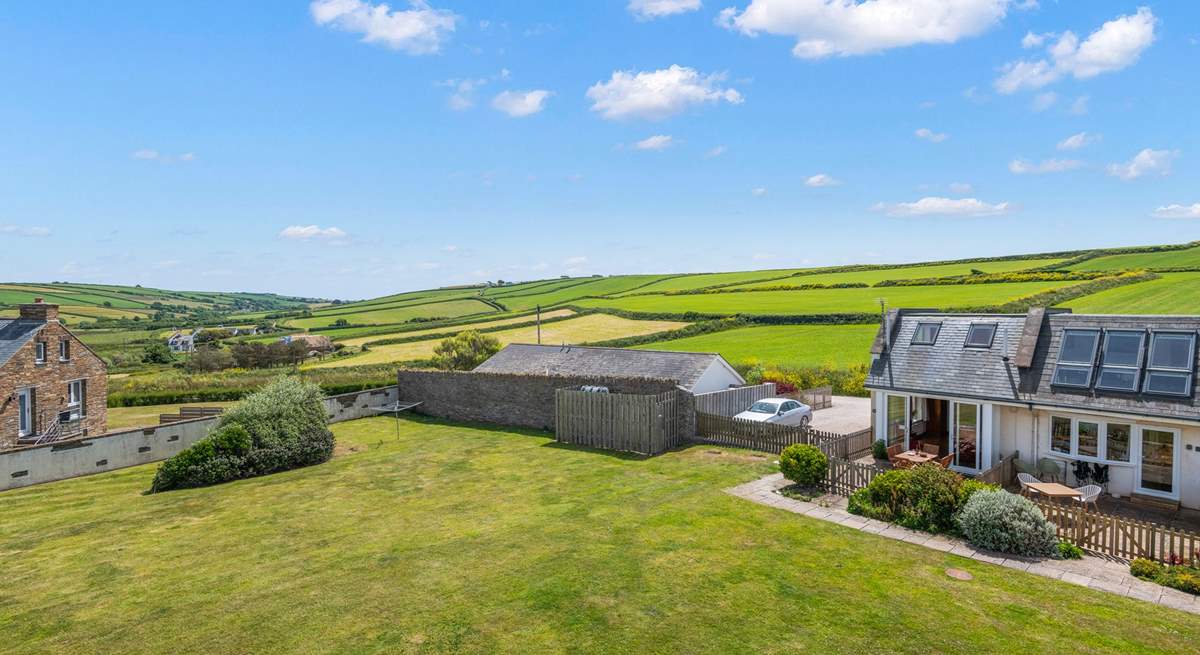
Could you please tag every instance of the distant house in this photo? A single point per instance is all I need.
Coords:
(52, 386)
(695, 372)
(183, 343)
(1115, 391)
(318, 344)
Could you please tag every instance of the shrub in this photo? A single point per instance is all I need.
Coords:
(1183, 577)
(465, 351)
(879, 449)
(1068, 550)
(925, 497)
(157, 353)
(1004, 522)
(803, 464)
(969, 487)
(279, 428)
(1146, 569)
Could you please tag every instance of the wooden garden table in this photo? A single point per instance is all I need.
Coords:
(915, 457)
(1054, 490)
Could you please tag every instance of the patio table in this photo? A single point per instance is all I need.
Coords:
(1054, 490)
(915, 457)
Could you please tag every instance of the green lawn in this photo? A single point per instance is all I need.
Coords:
(120, 418)
(789, 345)
(829, 301)
(1189, 257)
(397, 314)
(1173, 293)
(454, 539)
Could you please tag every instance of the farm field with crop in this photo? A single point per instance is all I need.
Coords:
(838, 346)
(1184, 258)
(906, 272)
(1173, 293)
(398, 314)
(828, 301)
(564, 293)
(481, 325)
(585, 329)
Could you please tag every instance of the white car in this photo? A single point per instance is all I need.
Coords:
(783, 411)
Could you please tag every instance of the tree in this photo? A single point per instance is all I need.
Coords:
(341, 322)
(207, 360)
(157, 353)
(464, 351)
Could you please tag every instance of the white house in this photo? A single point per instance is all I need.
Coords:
(183, 343)
(1113, 391)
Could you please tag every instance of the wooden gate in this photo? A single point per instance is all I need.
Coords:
(647, 424)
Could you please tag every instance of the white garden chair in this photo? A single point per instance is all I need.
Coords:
(1089, 494)
(1026, 479)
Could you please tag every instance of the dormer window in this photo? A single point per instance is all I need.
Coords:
(1121, 361)
(980, 335)
(926, 334)
(1076, 358)
(39, 352)
(1171, 365)
(64, 351)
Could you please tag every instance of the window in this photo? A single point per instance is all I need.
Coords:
(1076, 357)
(77, 398)
(980, 335)
(64, 350)
(897, 419)
(926, 334)
(790, 405)
(39, 352)
(1088, 443)
(1060, 435)
(1117, 436)
(1171, 364)
(1121, 363)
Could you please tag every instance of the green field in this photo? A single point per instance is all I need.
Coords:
(529, 299)
(838, 346)
(1186, 258)
(908, 272)
(120, 418)
(455, 539)
(702, 280)
(444, 309)
(481, 325)
(828, 301)
(1173, 293)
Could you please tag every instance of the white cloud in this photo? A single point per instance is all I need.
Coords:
(1145, 162)
(149, 154)
(450, 248)
(937, 206)
(931, 136)
(419, 30)
(821, 180)
(824, 28)
(463, 96)
(758, 191)
(1080, 106)
(1023, 167)
(1044, 101)
(1032, 40)
(716, 151)
(187, 156)
(651, 9)
(960, 187)
(657, 94)
(24, 230)
(308, 232)
(518, 104)
(1077, 141)
(146, 154)
(1116, 45)
(1178, 211)
(656, 142)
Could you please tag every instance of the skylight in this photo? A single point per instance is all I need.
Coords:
(1121, 363)
(926, 334)
(1076, 358)
(1171, 365)
(980, 335)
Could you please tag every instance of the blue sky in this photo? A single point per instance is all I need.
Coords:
(346, 149)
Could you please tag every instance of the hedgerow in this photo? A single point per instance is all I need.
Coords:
(996, 278)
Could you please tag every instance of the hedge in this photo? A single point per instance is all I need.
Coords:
(995, 278)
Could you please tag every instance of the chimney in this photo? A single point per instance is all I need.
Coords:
(39, 311)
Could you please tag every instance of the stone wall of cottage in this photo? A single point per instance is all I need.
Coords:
(50, 383)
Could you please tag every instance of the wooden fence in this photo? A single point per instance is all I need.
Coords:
(847, 476)
(1002, 473)
(1117, 536)
(817, 398)
(732, 401)
(773, 438)
(647, 424)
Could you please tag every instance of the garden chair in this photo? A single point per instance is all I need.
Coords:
(894, 450)
(1024, 467)
(930, 449)
(1089, 494)
(945, 461)
(1047, 466)
(1026, 479)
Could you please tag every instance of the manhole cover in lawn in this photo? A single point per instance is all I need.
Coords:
(959, 574)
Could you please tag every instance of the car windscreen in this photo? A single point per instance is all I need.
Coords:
(764, 408)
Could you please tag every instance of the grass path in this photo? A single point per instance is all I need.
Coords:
(454, 539)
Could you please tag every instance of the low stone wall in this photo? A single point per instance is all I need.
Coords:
(509, 399)
(76, 457)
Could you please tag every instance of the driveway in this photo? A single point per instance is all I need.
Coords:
(848, 414)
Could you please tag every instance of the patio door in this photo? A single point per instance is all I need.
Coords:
(964, 435)
(897, 420)
(1158, 462)
(24, 412)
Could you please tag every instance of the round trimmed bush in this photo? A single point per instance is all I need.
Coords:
(879, 449)
(1007, 523)
(924, 497)
(803, 464)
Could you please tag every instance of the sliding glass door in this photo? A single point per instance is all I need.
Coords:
(897, 420)
(1158, 471)
(965, 438)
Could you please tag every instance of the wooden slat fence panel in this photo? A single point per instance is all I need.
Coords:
(846, 476)
(1002, 473)
(818, 397)
(647, 424)
(1117, 536)
(729, 402)
(773, 438)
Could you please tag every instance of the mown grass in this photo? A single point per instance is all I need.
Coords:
(1189, 257)
(448, 309)
(838, 346)
(455, 539)
(827, 301)
(136, 417)
(1172, 293)
(585, 329)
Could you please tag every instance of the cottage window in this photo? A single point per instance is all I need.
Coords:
(1087, 439)
(64, 350)
(980, 335)
(1093, 440)
(1121, 364)
(1076, 358)
(926, 334)
(1117, 438)
(39, 352)
(1060, 435)
(1171, 364)
(77, 398)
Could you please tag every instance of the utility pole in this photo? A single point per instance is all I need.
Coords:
(539, 324)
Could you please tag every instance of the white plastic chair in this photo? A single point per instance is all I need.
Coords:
(1089, 494)
(1026, 479)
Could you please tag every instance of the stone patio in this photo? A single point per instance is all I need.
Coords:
(1094, 572)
